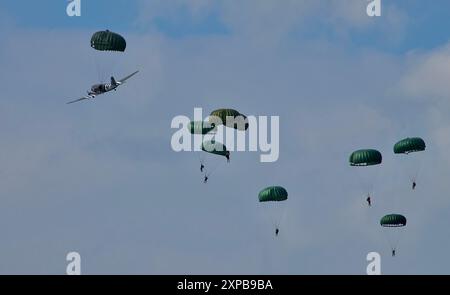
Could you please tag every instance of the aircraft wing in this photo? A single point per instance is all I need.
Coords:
(128, 77)
(80, 99)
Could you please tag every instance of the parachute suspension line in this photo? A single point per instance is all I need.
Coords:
(391, 240)
(283, 214)
(214, 151)
(367, 160)
(411, 166)
(100, 76)
(274, 215)
(370, 189)
(412, 148)
(102, 61)
(393, 237)
(211, 171)
(278, 214)
(397, 238)
(366, 183)
(97, 68)
(417, 168)
(387, 236)
(273, 199)
(201, 159)
(108, 47)
(393, 226)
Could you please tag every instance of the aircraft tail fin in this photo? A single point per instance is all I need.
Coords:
(113, 81)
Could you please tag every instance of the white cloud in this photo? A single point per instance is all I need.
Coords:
(101, 175)
(427, 75)
(272, 20)
(425, 82)
(170, 10)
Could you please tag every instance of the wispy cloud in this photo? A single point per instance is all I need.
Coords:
(100, 177)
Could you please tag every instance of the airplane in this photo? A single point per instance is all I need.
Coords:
(99, 89)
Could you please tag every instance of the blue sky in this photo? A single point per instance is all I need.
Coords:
(101, 178)
(120, 15)
(47, 14)
(422, 29)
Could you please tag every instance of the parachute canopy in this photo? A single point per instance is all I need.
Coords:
(238, 121)
(108, 41)
(273, 194)
(366, 157)
(200, 127)
(216, 148)
(409, 145)
(393, 220)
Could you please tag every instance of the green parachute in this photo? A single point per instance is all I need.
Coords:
(393, 225)
(411, 165)
(393, 220)
(409, 145)
(209, 161)
(273, 202)
(230, 118)
(108, 41)
(367, 157)
(273, 194)
(200, 127)
(216, 148)
(108, 51)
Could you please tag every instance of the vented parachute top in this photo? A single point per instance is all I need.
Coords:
(239, 120)
(273, 194)
(224, 113)
(393, 220)
(366, 157)
(108, 41)
(409, 145)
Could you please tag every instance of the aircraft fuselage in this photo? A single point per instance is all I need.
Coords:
(98, 89)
